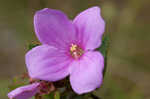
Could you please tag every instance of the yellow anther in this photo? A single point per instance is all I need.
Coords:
(75, 51)
(73, 47)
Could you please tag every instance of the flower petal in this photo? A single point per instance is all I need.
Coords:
(24, 92)
(53, 27)
(47, 63)
(86, 74)
(90, 26)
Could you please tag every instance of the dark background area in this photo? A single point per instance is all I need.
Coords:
(128, 23)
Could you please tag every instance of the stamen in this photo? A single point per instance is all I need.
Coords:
(76, 51)
(73, 47)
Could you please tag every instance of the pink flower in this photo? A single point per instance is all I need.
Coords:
(68, 48)
(27, 91)
(24, 92)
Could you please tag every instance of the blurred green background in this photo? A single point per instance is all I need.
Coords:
(128, 23)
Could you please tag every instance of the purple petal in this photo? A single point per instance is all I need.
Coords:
(90, 26)
(54, 28)
(24, 92)
(87, 73)
(47, 63)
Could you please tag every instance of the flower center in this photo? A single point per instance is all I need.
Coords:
(76, 51)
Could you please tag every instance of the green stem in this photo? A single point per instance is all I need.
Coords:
(37, 96)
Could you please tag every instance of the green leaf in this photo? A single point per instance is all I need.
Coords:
(105, 45)
(49, 96)
(104, 50)
(32, 45)
(57, 95)
(17, 82)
